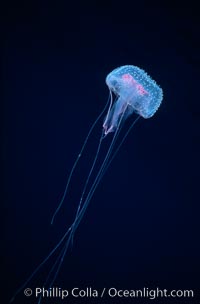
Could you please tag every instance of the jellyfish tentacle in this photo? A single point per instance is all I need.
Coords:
(69, 234)
(40, 265)
(87, 180)
(60, 258)
(58, 261)
(90, 173)
(60, 204)
(119, 146)
(78, 157)
(109, 109)
(80, 212)
(97, 179)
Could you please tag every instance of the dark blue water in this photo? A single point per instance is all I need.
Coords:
(142, 226)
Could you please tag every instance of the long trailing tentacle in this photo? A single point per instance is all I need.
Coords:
(87, 180)
(80, 212)
(60, 204)
(119, 146)
(102, 171)
(98, 177)
(57, 262)
(40, 265)
(95, 159)
(79, 155)
(68, 236)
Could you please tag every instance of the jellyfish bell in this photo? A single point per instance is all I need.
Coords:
(136, 92)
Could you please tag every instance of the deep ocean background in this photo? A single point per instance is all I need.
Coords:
(142, 226)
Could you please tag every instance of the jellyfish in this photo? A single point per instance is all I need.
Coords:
(135, 92)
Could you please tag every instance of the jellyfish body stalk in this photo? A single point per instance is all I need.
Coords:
(121, 109)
